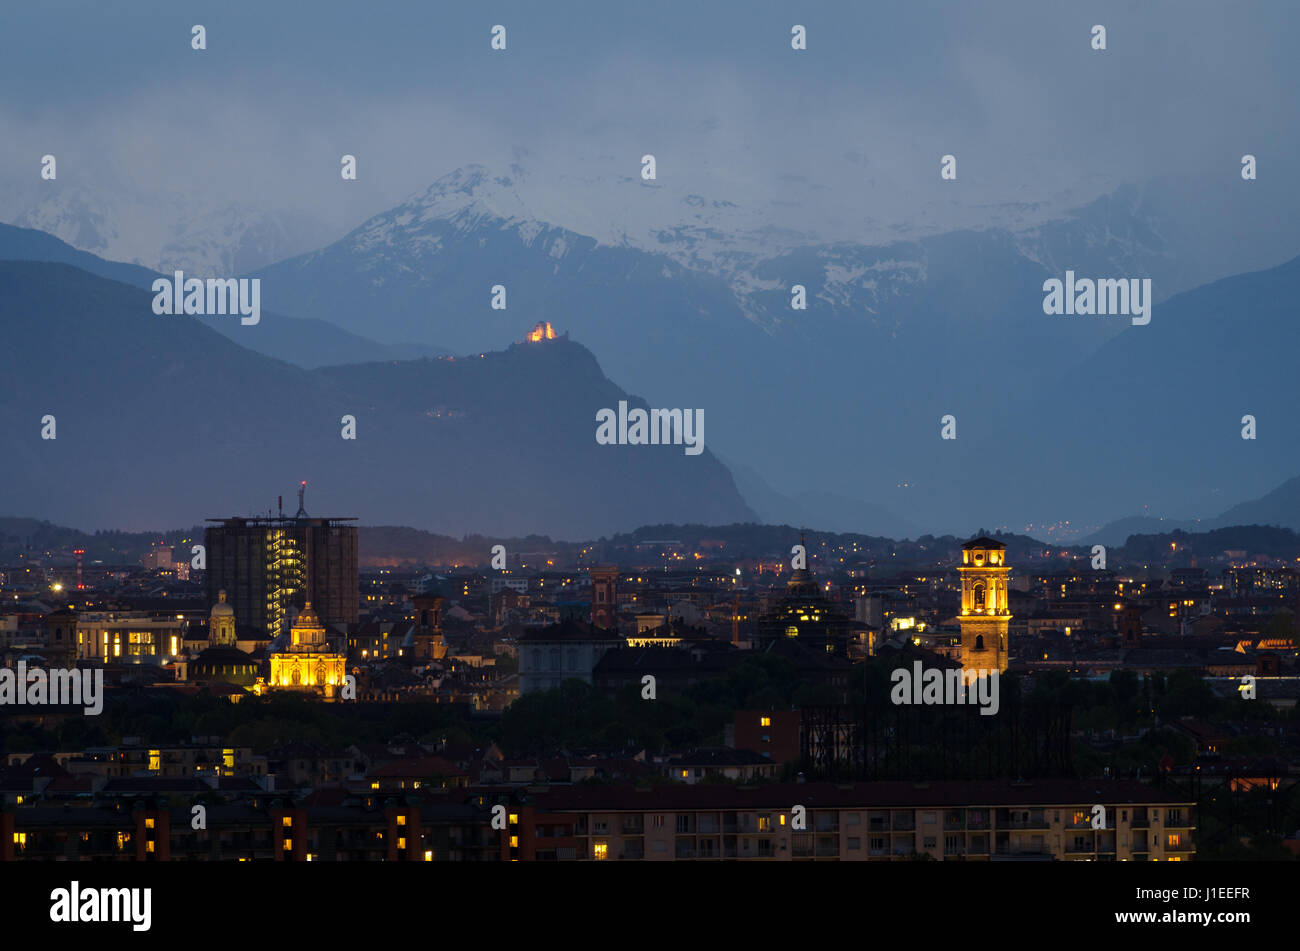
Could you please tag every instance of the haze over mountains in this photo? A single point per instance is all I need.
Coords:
(164, 421)
(848, 395)
(831, 416)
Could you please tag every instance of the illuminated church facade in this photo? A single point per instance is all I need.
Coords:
(308, 663)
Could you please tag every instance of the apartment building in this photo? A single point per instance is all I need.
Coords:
(1044, 820)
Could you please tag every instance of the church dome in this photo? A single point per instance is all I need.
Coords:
(222, 608)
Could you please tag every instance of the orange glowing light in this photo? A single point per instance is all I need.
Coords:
(543, 331)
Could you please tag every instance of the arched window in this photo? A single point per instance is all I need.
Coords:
(977, 596)
(979, 642)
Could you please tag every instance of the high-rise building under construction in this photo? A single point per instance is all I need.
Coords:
(266, 565)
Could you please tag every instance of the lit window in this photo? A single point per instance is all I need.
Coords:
(764, 721)
(401, 842)
(600, 851)
(514, 818)
(148, 823)
(514, 842)
(286, 822)
(401, 820)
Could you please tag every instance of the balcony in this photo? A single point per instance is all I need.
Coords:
(1023, 852)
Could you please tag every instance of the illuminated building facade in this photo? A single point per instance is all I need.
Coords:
(262, 564)
(129, 637)
(985, 615)
(309, 662)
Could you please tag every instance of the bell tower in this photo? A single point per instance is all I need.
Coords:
(985, 614)
(604, 596)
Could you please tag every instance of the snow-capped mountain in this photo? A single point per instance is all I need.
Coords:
(164, 231)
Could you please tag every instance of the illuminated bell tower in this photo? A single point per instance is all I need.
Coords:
(985, 614)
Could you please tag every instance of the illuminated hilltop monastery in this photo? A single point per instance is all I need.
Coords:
(985, 616)
(308, 662)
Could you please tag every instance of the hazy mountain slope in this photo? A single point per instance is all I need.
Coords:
(303, 341)
(161, 420)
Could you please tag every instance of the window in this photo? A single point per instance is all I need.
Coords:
(931, 842)
(855, 842)
(764, 721)
(764, 823)
(600, 851)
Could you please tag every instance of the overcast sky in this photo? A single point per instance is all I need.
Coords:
(846, 134)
